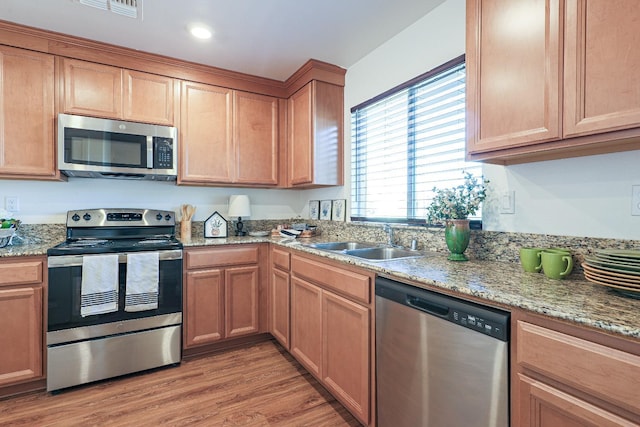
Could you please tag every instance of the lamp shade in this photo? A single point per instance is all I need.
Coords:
(239, 206)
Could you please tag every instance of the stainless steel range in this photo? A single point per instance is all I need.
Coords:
(115, 296)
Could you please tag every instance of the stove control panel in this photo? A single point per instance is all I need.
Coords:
(120, 217)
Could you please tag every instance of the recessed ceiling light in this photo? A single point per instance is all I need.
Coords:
(200, 32)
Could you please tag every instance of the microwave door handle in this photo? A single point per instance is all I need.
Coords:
(149, 152)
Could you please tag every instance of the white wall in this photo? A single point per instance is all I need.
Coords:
(588, 196)
(48, 202)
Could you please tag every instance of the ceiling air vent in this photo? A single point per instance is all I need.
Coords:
(129, 8)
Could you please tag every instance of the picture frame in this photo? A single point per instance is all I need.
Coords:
(325, 210)
(338, 209)
(215, 226)
(314, 209)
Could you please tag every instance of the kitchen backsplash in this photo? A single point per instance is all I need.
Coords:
(484, 245)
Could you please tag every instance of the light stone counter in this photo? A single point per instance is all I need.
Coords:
(505, 284)
(501, 284)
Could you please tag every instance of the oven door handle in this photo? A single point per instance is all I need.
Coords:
(56, 261)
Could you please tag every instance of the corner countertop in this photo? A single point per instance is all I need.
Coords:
(502, 284)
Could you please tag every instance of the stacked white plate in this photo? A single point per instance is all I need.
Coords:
(616, 269)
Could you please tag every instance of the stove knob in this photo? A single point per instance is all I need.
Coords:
(167, 217)
(86, 217)
(159, 216)
(75, 217)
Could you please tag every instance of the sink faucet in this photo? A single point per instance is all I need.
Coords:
(387, 229)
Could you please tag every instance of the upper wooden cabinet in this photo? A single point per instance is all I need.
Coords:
(551, 79)
(27, 141)
(601, 63)
(513, 73)
(315, 135)
(227, 137)
(103, 91)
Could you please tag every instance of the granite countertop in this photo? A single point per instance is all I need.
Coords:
(505, 284)
(502, 284)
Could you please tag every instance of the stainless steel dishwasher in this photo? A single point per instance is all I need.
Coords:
(440, 361)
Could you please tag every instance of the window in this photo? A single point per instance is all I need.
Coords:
(407, 141)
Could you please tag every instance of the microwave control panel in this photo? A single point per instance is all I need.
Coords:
(162, 153)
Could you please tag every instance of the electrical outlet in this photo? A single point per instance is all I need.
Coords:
(635, 200)
(508, 202)
(12, 203)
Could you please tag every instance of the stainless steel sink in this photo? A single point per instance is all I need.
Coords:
(383, 253)
(341, 246)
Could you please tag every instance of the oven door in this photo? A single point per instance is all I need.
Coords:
(65, 280)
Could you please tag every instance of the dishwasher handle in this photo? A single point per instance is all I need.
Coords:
(427, 306)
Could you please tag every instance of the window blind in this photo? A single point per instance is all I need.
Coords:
(406, 142)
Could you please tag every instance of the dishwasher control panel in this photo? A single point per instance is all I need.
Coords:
(479, 323)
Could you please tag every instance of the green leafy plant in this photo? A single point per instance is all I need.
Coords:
(457, 202)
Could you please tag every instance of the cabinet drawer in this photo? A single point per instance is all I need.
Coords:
(281, 259)
(346, 282)
(609, 374)
(21, 273)
(214, 257)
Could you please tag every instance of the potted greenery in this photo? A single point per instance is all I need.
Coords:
(452, 206)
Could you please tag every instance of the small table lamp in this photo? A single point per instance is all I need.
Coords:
(239, 206)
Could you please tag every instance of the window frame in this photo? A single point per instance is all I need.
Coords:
(410, 87)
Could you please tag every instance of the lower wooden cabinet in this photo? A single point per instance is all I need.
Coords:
(221, 293)
(22, 286)
(331, 333)
(306, 325)
(280, 299)
(564, 376)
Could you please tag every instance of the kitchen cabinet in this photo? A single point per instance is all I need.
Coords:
(98, 90)
(227, 137)
(221, 293)
(551, 79)
(280, 295)
(22, 287)
(331, 333)
(27, 140)
(315, 134)
(566, 376)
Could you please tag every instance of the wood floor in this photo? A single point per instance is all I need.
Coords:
(257, 385)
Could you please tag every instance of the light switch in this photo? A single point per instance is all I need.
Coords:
(508, 202)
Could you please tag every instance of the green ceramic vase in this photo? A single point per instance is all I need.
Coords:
(457, 234)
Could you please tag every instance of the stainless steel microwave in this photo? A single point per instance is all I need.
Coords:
(103, 148)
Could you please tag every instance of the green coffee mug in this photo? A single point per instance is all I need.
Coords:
(531, 259)
(556, 264)
(558, 250)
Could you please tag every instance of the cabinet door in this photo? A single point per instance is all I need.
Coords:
(204, 311)
(148, 98)
(21, 335)
(206, 151)
(241, 301)
(602, 59)
(306, 325)
(346, 352)
(27, 142)
(92, 89)
(280, 306)
(544, 406)
(301, 136)
(255, 138)
(514, 60)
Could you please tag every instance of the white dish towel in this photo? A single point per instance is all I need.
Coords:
(142, 281)
(99, 287)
